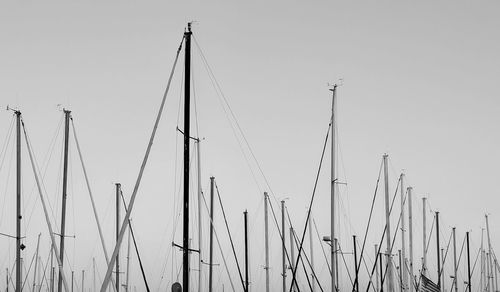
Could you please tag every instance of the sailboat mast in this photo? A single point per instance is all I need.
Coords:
(410, 235)
(67, 116)
(311, 246)
(200, 237)
(210, 263)
(185, 234)
(36, 261)
(118, 191)
(403, 270)
(283, 266)
(455, 268)
(18, 202)
(266, 238)
(424, 236)
(493, 288)
(468, 265)
(333, 246)
(390, 279)
(245, 214)
(437, 254)
(292, 259)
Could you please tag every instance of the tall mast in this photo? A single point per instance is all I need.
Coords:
(187, 95)
(443, 288)
(437, 246)
(468, 264)
(403, 270)
(493, 288)
(283, 266)
(390, 279)
(266, 242)
(356, 281)
(83, 280)
(424, 245)
(118, 191)
(455, 268)
(67, 116)
(410, 235)
(200, 237)
(313, 275)
(377, 284)
(333, 245)
(246, 250)
(210, 263)
(128, 262)
(36, 262)
(18, 202)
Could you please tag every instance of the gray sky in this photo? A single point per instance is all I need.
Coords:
(419, 84)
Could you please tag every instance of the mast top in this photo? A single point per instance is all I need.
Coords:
(188, 28)
(15, 110)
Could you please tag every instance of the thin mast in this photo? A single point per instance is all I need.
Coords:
(468, 264)
(185, 233)
(437, 246)
(377, 284)
(18, 202)
(424, 245)
(356, 283)
(442, 271)
(333, 247)
(266, 242)
(36, 261)
(67, 116)
(128, 262)
(410, 235)
(390, 279)
(210, 263)
(118, 191)
(283, 272)
(292, 254)
(494, 288)
(246, 250)
(455, 268)
(83, 280)
(403, 271)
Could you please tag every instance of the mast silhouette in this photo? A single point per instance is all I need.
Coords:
(333, 246)
(18, 203)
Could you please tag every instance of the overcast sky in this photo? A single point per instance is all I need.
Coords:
(420, 82)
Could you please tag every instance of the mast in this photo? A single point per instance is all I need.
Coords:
(424, 245)
(438, 257)
(210, 263)
(283, 266)
(128, 262)
(246, 250)
(18, 202)
(403, 272)
(356, 284)
(266, 238)
(494, 288)
(333, 246)
(443, 288)
(455, 268)
(292, 254)
(313, 275)
(468, 264)
(93, 274)
(377, 284)
(390, 279)
(83, 280)
(400, 271)
(200, 237)
(187, 95)
(72, 280)
(410, 235)
(118, 191)
(67, 116)
(36, 261)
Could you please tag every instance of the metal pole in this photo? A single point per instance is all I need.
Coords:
(381, 272)
(283, 247)
(187, 84)
(36, 261)
(72, 280)
(7, 280)
(83, 280)
(468, 264)
(246, 250)
(438, 257)
(332, 190)
(93, 274)
(128, 262)
(455, 268)
(118, 192)
(313, 275)
(356, 284)
(403, 274)
(200, 229)
(67, 116)
(292, 259)
(18, 202)
(442, 271)
(493, 288)
(424, 245)
(390, 279)
(266, 243)
(410, 235)
(52, 280)
(210, 267)
(400, 271)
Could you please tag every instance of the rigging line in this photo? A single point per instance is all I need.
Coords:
(445, 255)
(312, 199)
(345, 264)
(305, 255)
(135, 244)
(383, 236)
(230, 237)
(28, 272)
(139, 177)
(217, 237)
(94, 208)
(322, 248)
(209, 70)
(430, 234)
(44, 271)
(47, 219)
(369, 219)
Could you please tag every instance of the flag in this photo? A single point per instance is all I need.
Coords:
(428, 285)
